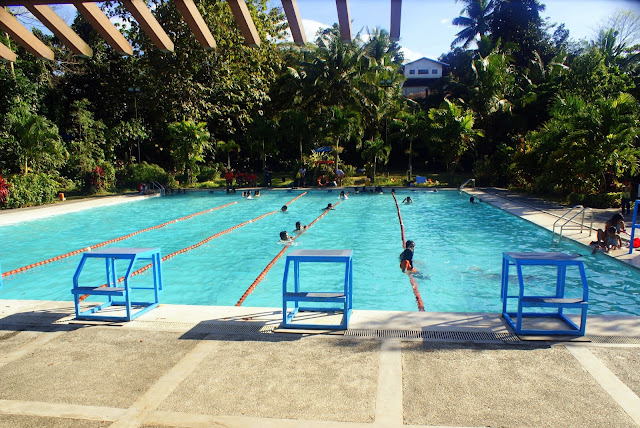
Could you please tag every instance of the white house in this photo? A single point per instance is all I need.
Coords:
(420, 73)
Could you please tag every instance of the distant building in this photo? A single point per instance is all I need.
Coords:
(420, 75)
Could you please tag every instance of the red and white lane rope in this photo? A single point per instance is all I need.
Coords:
(111, 241)
(414, 283)
(275, 259)
(204, 241)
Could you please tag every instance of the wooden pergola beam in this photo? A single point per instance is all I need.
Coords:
(344, 20)
(104, 27)
(60, 29)
(295, 22)
(149, 24)
(243, 18)
(23, 36)
(396, 13)
(194, 20)
(7, 54)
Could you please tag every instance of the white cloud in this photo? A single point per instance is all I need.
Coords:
(445, 21)
(311, 27)
(411, 55)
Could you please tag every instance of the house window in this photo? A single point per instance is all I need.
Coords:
(412, 72)
(434, 71)
(423, 71)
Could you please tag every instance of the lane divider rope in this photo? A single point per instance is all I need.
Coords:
(414, 283)
(204, 241)
(275, 259)
(110, 241)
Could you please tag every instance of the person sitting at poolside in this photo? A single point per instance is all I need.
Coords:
(616, 221)
(406, 258)
(284, 236)
(299, 227)
(328, 207)
(343, 196)
(407, 200)
(283, 209)
(612, 241)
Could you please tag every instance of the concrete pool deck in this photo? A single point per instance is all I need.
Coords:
(208, 366)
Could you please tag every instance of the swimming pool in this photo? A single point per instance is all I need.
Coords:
(458, 247)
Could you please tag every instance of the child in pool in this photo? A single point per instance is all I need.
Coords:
(406, 258)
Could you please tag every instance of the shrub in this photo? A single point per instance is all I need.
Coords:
(210, 172)
(31, 189)
(598, 200)
(132, 175)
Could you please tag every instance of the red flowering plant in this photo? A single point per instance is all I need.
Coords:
(4, 190)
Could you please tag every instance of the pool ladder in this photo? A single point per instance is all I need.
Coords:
(471, 180)
(569, 217)
(160, 187)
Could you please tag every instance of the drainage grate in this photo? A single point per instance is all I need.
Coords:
(622, 340)
(458, 336)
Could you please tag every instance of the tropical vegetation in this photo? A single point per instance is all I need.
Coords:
(521, 105)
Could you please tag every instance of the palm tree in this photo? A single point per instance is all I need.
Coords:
(189, 141)
(376, 150)
(37, 138)
(476, 22)
(409, 127)
(342, 124)
(452, 127)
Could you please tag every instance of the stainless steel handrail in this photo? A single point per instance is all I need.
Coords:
(472, 180)
(581, 210)
(160, 187)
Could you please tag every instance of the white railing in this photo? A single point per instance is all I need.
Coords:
(160, 187)
(471, 180)
(576, 210)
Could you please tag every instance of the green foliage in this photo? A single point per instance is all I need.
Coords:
(131, 175)
(30, 190)
(584, 142)
(35, 140)
(189, 140)
(600, 200)
(452, 129)
(210, 172)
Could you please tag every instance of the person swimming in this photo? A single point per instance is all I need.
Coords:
(284, 236)
(329, 206)
(283, 209)
(474, 200)
(343, 195)
(407, 200)
(299, 227)
(406, 258)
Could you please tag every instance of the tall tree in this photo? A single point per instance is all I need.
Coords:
(189, 140)
(476, 22)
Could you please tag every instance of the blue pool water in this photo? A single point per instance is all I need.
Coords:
(458, 248)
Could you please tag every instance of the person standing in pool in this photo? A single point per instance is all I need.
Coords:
(406, 258)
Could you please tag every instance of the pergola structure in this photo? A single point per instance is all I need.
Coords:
(141, 13)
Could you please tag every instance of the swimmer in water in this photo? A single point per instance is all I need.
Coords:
(406, 258)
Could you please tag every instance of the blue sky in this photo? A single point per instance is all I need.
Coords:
(426, 28)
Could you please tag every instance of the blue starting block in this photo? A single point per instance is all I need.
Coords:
(556, 301)
(111, 291)
(343, 300)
